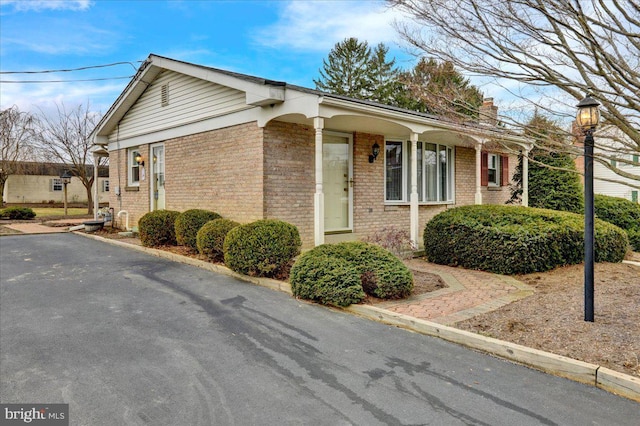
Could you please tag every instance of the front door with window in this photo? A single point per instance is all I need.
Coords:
(337, 182)
(157, 177)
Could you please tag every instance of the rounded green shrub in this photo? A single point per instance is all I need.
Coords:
(188, 224)
(325, 279)
(210, 238)
(382, 274)
(157, 228)
(622, 213)
(619, 211)
(18, 213)
(516, 240)
(634, 238)
(263, 248)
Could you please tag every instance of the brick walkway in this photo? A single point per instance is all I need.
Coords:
(469, 293)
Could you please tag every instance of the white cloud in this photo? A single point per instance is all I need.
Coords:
(39, 5)
(319, 25)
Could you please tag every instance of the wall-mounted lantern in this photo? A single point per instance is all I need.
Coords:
(139, 159)
(375, 151)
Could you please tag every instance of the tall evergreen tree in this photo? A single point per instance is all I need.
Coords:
(554, 182)
(346, 70)
(383, 75)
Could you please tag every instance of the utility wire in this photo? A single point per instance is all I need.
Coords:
(65, 81)
(73, 69)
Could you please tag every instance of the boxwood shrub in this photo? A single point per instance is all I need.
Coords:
(622, 213)
(516, 240)
(18, 213)
(188, 224)
(210, 238)
(380, 273)
(326, 279)
(263, 248)
(157, 228)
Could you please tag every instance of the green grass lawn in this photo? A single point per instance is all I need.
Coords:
(59, 211)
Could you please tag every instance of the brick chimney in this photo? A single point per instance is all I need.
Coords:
(488, 113)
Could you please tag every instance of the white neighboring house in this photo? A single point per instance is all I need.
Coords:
(40, 183)
(625, 161)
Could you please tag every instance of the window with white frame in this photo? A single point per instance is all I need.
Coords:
(493, 169)
(56, 184)
(435, 172)
(105, 185)
(134, 167)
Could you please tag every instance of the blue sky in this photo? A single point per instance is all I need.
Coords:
(280, 40)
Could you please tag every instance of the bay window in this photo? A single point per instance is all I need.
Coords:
(435, 172)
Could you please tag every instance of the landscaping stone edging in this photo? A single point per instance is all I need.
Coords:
(612, 381)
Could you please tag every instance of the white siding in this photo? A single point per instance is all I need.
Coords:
(189, 100)
(611, 188)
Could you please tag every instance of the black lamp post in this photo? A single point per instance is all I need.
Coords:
(588, 118)
(66, 179)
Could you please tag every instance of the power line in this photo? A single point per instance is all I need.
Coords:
(65, 81)
(73, 69)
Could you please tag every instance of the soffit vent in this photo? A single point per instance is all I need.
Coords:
(164, 95)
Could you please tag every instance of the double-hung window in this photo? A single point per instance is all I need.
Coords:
(133, 166)
(493, 170)
(435, 172)
(56, 184)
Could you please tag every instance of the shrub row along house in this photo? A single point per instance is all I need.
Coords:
(185, 136)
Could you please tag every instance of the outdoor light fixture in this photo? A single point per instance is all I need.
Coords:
(139, 159)
(65, 177)
(375, 150)
(588, 118)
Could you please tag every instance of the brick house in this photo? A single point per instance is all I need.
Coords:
(185, 136)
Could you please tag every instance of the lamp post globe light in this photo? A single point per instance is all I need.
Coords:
(588, 118)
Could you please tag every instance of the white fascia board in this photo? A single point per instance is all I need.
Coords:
(241, 117)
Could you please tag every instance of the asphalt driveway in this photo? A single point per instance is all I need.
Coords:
(130, 339)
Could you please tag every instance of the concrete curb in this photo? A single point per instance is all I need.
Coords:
(612, 381)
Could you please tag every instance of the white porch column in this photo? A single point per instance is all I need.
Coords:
(318, 199)
(96, 202)
(414, 207)
(478, 173)
(525, 177)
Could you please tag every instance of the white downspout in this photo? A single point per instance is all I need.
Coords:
(126, 226)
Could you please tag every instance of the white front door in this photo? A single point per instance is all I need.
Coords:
(337, 175)
(157, 177)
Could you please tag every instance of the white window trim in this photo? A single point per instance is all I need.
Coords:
(105, 185)
(56, 182)
(405, 165)
(131, 164)
(498, 169)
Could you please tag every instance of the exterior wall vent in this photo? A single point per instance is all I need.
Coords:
(164, 95)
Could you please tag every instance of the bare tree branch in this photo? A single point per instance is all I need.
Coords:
(559, 50)
(17, 131)
(65, 137)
